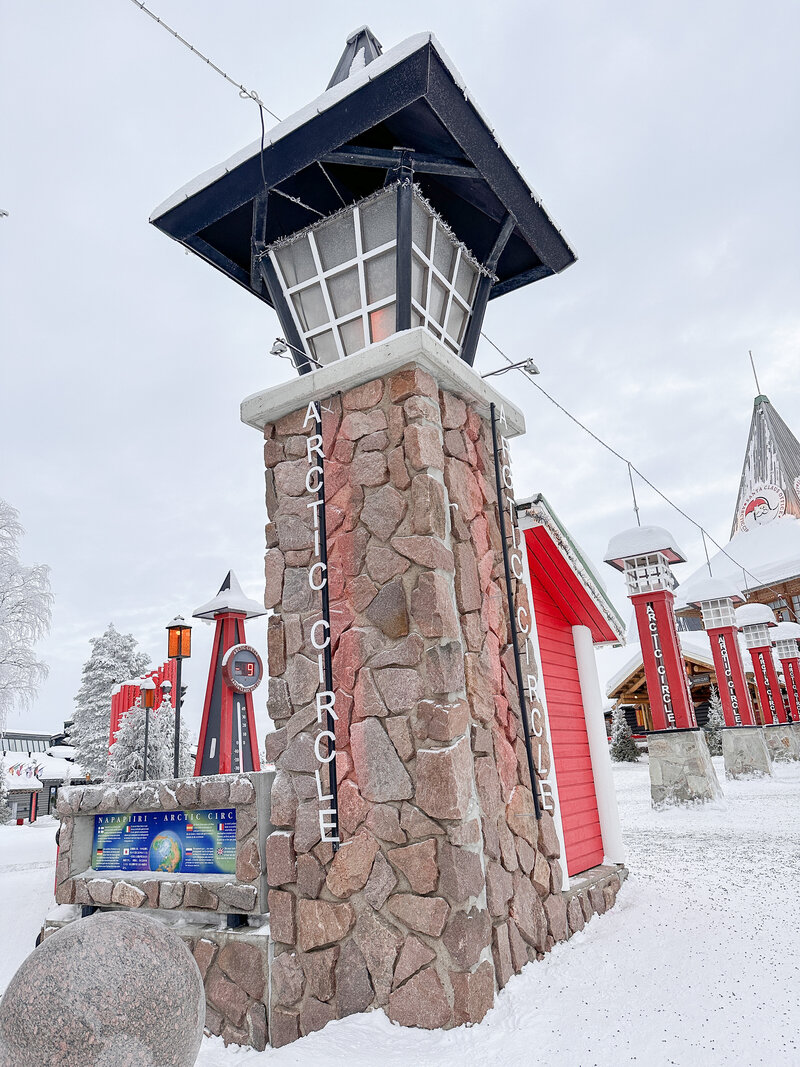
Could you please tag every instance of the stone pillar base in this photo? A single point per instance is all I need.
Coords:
(745, 751)
(783, 741)
(681, 771)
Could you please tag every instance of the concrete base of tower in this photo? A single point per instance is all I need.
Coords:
(746, 753)
(681, 771)
(783, 741)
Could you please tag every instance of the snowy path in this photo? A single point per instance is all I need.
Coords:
(695, 967)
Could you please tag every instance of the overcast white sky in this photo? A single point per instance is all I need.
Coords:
(662, 137)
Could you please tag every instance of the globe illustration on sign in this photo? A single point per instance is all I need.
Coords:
(166, 852)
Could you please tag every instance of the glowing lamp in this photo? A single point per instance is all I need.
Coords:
(179, 639)
(148, 690)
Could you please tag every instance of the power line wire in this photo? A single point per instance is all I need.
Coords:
(246, 94)
(633, 468)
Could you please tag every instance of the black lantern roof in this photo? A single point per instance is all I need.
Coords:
(346, 145)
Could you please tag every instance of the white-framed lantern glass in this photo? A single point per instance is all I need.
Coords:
(339, 278)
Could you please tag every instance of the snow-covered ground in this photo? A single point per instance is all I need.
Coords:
(696, 966)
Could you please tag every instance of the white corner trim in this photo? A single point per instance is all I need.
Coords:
(411, 347)
(607, 808)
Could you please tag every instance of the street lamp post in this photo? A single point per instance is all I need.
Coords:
(148, 691)
(179, 647)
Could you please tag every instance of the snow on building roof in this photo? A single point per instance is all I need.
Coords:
(22, 772)
(641, 541)
(769, 554)
(694, 644)
(755, 615)
(230, 597)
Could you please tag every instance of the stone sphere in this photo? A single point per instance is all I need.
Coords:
(117, 989)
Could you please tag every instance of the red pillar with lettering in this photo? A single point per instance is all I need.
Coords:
(755, 622)
(768, 684)
(731, 679)
(664, 668)
(645, 555)
(785, 638)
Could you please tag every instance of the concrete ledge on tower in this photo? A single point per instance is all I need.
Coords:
(681, 771)
(745, 752)
(414, 347)
(783, 741)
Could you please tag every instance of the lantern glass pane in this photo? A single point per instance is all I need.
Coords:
(323, 347)
(296, 262)
(382, 323)
(380, 273)
(438, 301)
(465, 279)
(336, 241)
(420, 226)
(186, 642)
(345, 292)
(444, 253)
(352, 335)
(310, 307)
(379, 221)
(416, 318)
(173, 643)
(455, 321)
(419, 281)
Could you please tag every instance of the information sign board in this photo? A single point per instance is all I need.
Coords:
(169, 842)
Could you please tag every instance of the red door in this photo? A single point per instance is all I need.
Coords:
(570, 745)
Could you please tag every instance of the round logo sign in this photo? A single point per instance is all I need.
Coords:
(242, 668)
(765, 503)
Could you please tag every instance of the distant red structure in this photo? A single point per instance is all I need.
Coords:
(126, 694)
(228, 741)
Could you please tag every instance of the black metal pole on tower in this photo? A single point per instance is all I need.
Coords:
(177, 745)
(512, 621)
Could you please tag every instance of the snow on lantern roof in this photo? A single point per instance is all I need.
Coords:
(755, 615)
(753, 559)
(642, 541)
(231, 598)
(410, 96)
(716, 589)
(786, 631)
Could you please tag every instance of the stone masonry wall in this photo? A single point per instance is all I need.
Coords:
(446, 884)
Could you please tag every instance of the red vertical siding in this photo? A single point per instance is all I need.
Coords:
(573, 763)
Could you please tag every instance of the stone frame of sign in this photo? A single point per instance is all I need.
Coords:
(244, 893)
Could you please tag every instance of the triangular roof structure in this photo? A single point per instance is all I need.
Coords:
(231, 597)
(770, 482)
(362, 48)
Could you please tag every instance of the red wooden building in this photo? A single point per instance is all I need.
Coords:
(573, 614)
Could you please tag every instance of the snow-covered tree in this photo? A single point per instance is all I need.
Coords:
(715, 723)
(5, 810)
(623, 747)
(126, 761)
(114, 659)
(25, 600)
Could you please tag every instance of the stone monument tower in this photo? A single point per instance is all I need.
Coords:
(414, 862)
